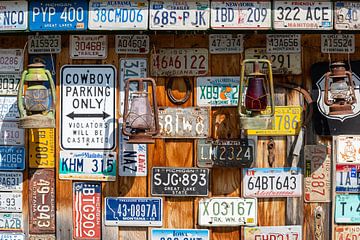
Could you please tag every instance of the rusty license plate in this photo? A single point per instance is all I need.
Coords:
(347, 232)
(87, 210)
(318, 174)
(347, 149)
(42, 148)
(190, 122)
(42, 201)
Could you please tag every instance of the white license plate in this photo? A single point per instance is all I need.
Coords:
(132, 44)
(12, 236)
(8, 108)
(10, 134)
(281, 63)
(179, 234)
(11, 60)
(272, 182)
(273, 232)
(347, 149)
(226, 43)
(11, 221)
(306, 15)
(241, 14)
(283, 43)
(13, 15)
(11, 181)
(337, 43)
(347, 178)
(346, 15)
(88, 46)
(118, 15)
(42, 44)
(227, 211)
(180, 62)
(11, 202)
(179, 15)
(9, 83)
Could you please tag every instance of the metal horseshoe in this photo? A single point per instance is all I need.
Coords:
(171, 96)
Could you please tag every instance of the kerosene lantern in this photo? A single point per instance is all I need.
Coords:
(341, 87)
(37, 106)
(256, 96)
(141, 121)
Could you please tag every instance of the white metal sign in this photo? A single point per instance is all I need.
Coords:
(118, 15)
(11, 202)
(11, 134)
(306, 15)
(11, 60)
(274, 232)
(42, 44)
(283, 43)
(11, 181)
(180, 62)
(179, 15)
(13, 15)
(226, 43)
(347, 149)
(346, 15)
(9, 83)
(132, 44)
(88, 46)
(87, 107)
(227, 211)
(241, 14)
(8, 108)
(337, 43)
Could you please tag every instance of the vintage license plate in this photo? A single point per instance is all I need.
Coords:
(88, 46)
(53, 15)
(179, 234)
(241, 14)
(10, 134)
(166, 181)
(347, 232)
(217, 91)
(273, 232)
(348, 178)
(89, 165)
(11, 202)
(190, 122)
(118, 15)
(346, 17)
(11, 221)
(11, 181)
(306, 15)
(132, 44)
(281, 63)
(337, 43)
(12, 236)
(283, 43)
(179, 15)
(347, 149)
(11, 60)
(12, 158)
(227, 211)
(42, 201)
(226, 43)
(42, 148)
(13, 15)
(180, 62)
(42, 44)
(8, 108)
(86, 210)
(318, 173)
(9, 83)
(127, 211)
(224, 153)
(287, 122)
(42, 237)
(272, 182)
(347, 208)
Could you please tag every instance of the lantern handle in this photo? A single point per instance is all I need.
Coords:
(22, 111)
(52, 87)
(326, 94)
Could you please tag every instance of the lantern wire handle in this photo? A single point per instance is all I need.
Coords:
(349, 62)
(52, 64)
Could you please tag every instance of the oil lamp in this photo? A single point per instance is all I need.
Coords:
(341, 87)
(141, 122)
(37, 106)
(256, 96)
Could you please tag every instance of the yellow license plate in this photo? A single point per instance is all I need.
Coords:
(287, 122)
(42, 148)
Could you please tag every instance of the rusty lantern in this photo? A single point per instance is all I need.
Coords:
(141, 121)
(342, 91)
(256, 96)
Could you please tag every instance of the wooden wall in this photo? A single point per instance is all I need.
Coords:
(182, 212)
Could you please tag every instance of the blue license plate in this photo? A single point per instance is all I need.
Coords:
(124, 211)
(179, 234)
(58, 16)
(347, 208)
(12, 158)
